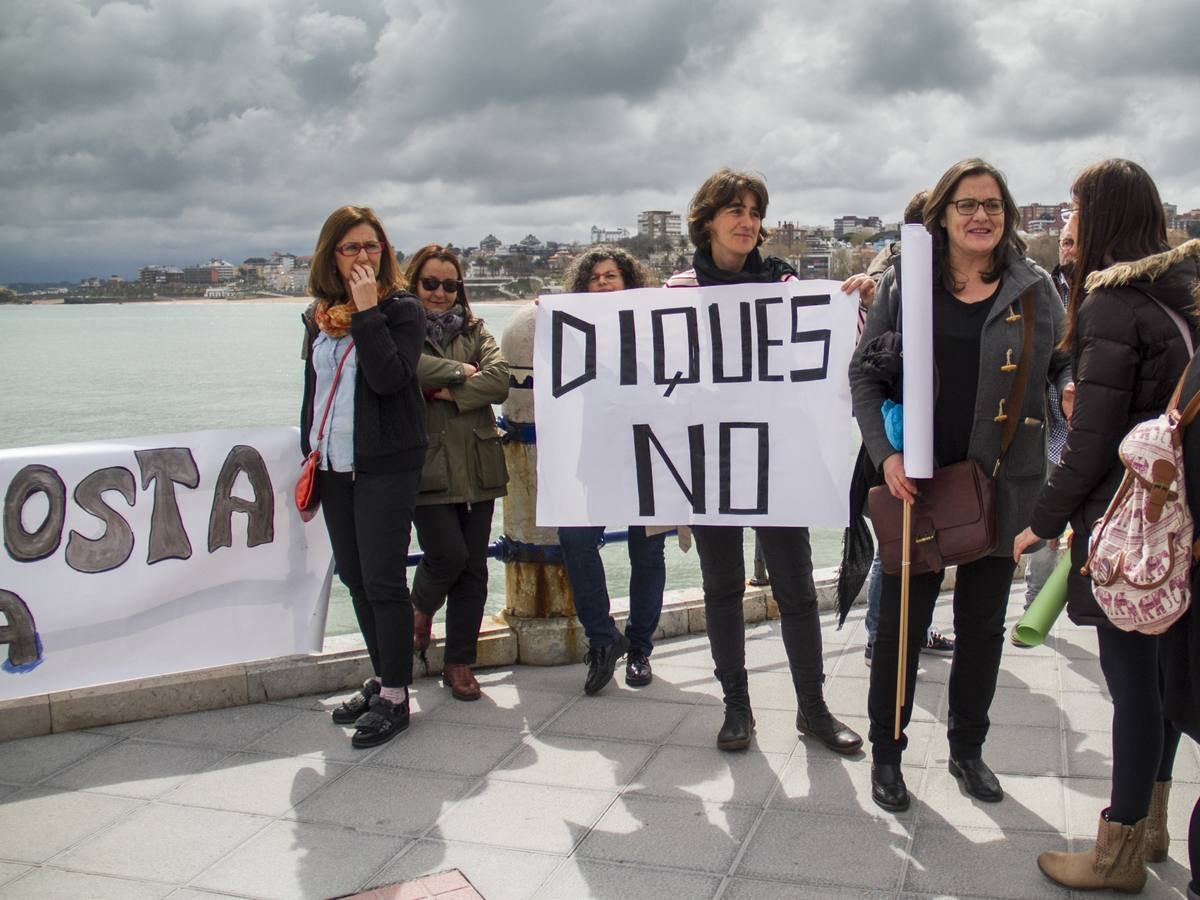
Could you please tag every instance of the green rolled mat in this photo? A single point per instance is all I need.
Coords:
(1046, 606)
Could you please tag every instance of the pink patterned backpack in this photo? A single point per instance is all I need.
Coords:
(1141, 552)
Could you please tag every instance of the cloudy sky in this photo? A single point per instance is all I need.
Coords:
(172, 131)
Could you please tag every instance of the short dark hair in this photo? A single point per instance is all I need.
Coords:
(1121, 219)
(721, 188)
(324, 282)
(442, 254)
(914, 212)
(1010, 249)
(633, 273)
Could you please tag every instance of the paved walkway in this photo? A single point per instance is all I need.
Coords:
(539, 791)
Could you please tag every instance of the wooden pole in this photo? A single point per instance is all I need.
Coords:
(902, 654)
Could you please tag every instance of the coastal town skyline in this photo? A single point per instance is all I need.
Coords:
(179, 132)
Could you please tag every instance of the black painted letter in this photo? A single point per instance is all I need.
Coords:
(260, 527)
(26, 546)
(660, 348)
(718, 344)
(726, 467)
(817, 373)
(19, 632)
(112, 548)
(558, 319)
(643, 437)
(167, 467)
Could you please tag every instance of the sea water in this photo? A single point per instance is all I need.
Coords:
(93, 371)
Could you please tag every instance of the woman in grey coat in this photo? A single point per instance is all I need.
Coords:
(980, 274)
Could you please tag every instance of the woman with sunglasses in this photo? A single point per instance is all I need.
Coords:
(604, 269)
(462, 373)
(1132, 302)
(362, 409)
(980, 275)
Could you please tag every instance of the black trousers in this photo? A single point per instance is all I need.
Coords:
(1144, 742)
(369, 517)
(789, 563)
(454, 538)
(980, 600)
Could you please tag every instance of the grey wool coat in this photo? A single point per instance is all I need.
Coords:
(1023, 470)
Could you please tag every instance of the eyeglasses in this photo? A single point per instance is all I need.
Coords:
(604, 277)
(967, 206)
(353, 248)
(1066, 243)
(449, 285)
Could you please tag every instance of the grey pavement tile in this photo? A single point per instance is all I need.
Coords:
(846, 695)
(766, 651)
(579, 762)
(1089, 753)
(1015, 750)
(193, 894)
(523, 816)
(9, 871)
(981, 862)
(497, 874)
(772, 690)
(231, 728)
(774, 731)
(694, 654)
(1073, 641)
(37, 823)
(682, 834)
(503, 706)
(370, 798)
(709, 774)
(136, 769)
(162, 843)
(582, 878)
(56, 884)
(879, 847)
(1085, 798)
(1087, 711)
(564, 679)
(836, 786)
(29, 760)
(1180, 803)
(448, 749)
(311, 734)
(757, 889)
(1037, 672)
(119, 729)
(1082, 675)
(424, 695)
(294, 860)
(648, 721)
(256, 784)
(1025, 706)
(685, 684)
(1187, 767)
(1029, 804)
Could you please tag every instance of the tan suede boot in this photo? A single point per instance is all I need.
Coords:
(1115, 862)
(1158, 841)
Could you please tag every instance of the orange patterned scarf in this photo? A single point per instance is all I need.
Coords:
(334, 318)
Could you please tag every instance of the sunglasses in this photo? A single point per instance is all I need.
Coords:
(449, 285)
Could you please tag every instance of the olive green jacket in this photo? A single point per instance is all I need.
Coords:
(464, 462)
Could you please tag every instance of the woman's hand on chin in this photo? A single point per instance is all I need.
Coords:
(363, 289)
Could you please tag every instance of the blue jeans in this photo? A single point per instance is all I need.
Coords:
(874, 594)
(647, 578)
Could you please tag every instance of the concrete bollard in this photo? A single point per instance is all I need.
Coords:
(540, 607)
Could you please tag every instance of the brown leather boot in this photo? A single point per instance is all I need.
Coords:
(1158, 841)
(462, 684)
(1115, 862)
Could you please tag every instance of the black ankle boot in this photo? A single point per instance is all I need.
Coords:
(814, 718)
(739, 720)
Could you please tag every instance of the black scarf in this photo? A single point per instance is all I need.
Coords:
(444, 327)
(756, 269)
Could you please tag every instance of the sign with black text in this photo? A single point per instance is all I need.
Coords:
(721, 405)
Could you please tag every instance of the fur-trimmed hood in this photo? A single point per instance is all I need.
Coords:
(1185, 258)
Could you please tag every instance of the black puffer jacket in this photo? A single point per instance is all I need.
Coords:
(389, 411)
(1128, 356)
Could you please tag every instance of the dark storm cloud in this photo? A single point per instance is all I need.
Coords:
(930, 46)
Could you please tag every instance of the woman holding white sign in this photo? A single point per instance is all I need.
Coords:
(983, 290)
(462, 373)
(601, 270)
(725, 223)
(363, 412)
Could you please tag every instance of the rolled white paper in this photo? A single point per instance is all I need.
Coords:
(916, 291)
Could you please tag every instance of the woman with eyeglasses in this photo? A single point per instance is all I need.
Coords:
(605, 269)
(462, 373)
(980, 275)
(362, 409)
(1132, 302)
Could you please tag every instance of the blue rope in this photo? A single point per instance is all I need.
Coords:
(518, 432)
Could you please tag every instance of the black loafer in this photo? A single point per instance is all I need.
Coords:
(637, 669)
(978, 780)
(601, 663)
(887, 787)
(356, 704)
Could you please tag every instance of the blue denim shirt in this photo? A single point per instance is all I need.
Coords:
(337, 446)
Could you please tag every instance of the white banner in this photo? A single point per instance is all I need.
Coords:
(146, 556)
(720, 405)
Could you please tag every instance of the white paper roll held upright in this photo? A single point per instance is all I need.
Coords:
(916, 291)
